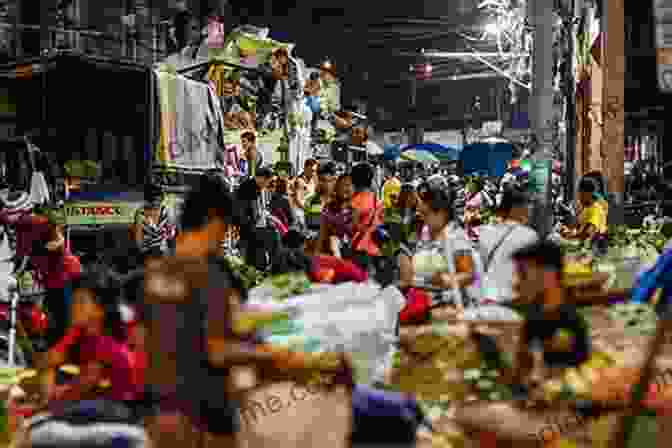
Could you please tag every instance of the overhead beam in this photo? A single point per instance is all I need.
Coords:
(445, 78)
(392, 40)
(470, 54)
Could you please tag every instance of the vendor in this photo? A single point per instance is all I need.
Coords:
(207, 407)
(308, 178)
(417, 265)
(251, 159)
(601, 193)
(498, 242)
(326, 180)
(554, 334)
(336, 225)
(367, 215)
(593, 219)
(391, 191)
(401, 222)
(259, 240)
(151, 229)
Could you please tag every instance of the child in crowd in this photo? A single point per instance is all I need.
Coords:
(96, 341)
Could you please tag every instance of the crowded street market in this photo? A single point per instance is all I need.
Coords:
(203, 222)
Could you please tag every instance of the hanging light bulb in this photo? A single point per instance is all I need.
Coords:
(422, 71)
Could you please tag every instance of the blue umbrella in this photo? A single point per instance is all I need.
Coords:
(440, 151)
(490, 159)
(391, 152)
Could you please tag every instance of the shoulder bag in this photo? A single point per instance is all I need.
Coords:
(489, 256)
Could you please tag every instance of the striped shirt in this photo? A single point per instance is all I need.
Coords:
(154, 236)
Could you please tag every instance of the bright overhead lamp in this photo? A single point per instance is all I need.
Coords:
(493, 29)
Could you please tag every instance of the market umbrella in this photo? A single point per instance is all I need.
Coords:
(486, 158)
(391, 152)
(418, 155)
(439, 151)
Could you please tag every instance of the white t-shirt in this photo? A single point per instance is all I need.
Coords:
(498, 280)
(430, 257)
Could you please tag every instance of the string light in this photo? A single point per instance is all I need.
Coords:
(508, 30)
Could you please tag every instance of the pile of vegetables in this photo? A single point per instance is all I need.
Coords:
(645, 242)
(639, 319)
(434, 369)
(484, 382)
(283, 286)
(248, 275)
(577, 383)
(326, 135)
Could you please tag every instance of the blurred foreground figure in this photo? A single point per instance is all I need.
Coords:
(192, 302)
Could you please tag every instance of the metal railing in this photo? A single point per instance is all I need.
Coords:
(145, 45)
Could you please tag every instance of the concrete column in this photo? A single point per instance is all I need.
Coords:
(613, 141)
(593, 156)
(541, 105)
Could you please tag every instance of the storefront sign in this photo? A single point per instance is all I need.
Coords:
(539, 173)
(662, 10)
(100, 213)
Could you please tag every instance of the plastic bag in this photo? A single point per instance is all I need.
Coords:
(358, 318)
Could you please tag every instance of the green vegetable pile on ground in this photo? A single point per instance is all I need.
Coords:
(639, 319)
(248, 275)
(484, 382)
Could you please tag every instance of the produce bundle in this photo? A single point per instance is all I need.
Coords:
(433, 367)
(283, 286)
(578, 383)
(248, 275)
(484, 382)
(639, 319)
(250, 320)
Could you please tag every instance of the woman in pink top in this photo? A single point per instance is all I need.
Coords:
(366, 211)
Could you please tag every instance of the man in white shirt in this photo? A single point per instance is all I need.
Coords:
(498, 242)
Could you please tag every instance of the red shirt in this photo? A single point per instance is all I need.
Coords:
(366, 205)
(120, 364)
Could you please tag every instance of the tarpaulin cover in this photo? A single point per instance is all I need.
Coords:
(486, 159)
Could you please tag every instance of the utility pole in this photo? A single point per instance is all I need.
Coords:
(570, 26)
(540, 16)
(45, 49)
(613, 100)
(414, 130)
(18, 45)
